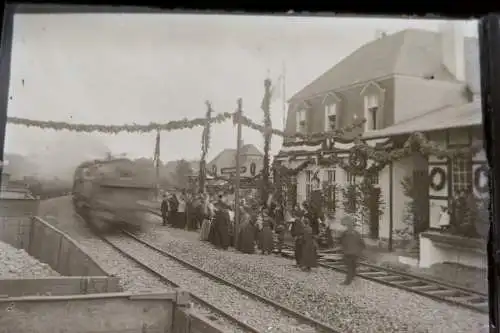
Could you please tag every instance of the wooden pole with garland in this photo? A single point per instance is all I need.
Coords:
(266, 107)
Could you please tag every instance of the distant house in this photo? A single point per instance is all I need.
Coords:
(224, 164)
(410, 81)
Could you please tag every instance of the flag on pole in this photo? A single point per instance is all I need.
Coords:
(276, 92)
(156, 158)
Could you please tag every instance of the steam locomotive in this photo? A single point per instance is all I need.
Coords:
(106, 193)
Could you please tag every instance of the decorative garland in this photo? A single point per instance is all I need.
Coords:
(266, 106)
(115, 129)
(481, 171)
(339, 133)
(439, 172)
(205, 145)
(416, 143)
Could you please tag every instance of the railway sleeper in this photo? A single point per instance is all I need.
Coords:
(412, 283)
(446, 293)
(427, 288)
(374, 274)
(393, 278)
(473, 300)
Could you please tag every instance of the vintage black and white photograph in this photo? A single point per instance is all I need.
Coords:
(176, 172)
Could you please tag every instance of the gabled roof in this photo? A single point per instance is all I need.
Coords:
(227, 157)
(410, 52)
(464, 115)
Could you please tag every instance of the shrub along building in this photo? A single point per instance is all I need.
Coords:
(418, 92)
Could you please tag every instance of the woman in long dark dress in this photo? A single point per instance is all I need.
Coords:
(297, 233)
(221, 227)
(308, 250)
(266, 234)
(248, 235)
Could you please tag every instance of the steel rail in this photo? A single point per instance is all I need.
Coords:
(166, 280)
(423, 286)
(198, 299)
(306, 319)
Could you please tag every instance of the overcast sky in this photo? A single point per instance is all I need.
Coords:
(125, 68)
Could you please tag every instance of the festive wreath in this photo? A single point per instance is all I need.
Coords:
(253, 169)
(481, 171)
(357, 160)
(440, 174)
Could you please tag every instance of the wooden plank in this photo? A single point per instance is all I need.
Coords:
(86, 314)
(201, 324)
(58, 286)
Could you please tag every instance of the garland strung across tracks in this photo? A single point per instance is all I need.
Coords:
(176, 125)
(115, 129)
(306, 137)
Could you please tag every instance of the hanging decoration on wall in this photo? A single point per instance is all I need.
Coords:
(481, 177)
(437, 178)
(357, 160)
(416, 143)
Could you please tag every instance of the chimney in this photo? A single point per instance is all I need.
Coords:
(379, 34)
(452, 48)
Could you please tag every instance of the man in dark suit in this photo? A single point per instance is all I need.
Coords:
(164, 209)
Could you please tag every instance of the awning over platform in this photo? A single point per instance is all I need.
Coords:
(444, 118)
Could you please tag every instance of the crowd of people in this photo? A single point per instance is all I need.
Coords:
(262, 228)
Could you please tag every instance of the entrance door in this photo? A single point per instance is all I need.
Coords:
(374, 212)
(421, 201)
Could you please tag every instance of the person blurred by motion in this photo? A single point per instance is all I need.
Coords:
(164, 209)
(308, 249)
(352, 244)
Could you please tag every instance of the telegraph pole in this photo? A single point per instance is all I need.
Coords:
(238, 115)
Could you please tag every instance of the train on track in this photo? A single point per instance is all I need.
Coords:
(106, 193)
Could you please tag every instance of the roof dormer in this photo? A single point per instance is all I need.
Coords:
(373, 95)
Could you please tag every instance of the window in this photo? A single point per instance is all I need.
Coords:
(329, 191)
(309, 184)
(330, 117)
(461, 174)
(330, 176)
(373, 179)
(371, 112)
(301, 121)
(351, 179)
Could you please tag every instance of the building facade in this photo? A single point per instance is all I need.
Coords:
(400, 84)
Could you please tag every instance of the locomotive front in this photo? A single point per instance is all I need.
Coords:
(111, 191)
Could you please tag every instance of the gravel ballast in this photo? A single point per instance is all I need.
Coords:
(253, 312)
(16, 263)
(59, 213)
(364, 306)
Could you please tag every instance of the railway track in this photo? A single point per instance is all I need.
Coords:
(124, 247)
(427, 287)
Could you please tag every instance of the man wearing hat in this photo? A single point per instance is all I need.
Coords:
(352, 245)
